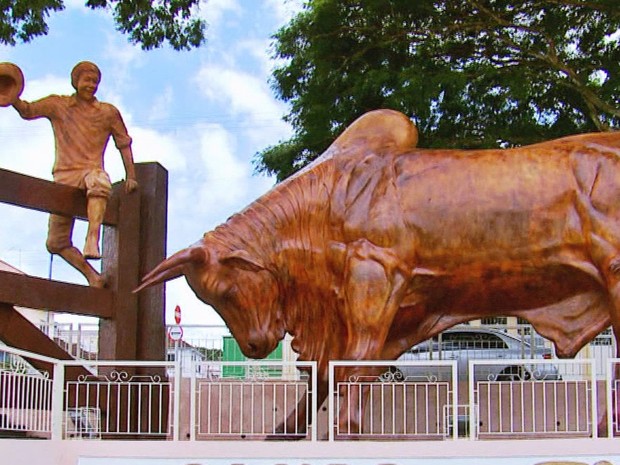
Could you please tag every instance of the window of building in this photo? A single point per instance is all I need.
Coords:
(525, 328)
(495, 321)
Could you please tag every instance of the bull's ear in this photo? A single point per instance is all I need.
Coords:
(242, 259)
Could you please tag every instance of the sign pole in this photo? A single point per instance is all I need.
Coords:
(175, 333)
(177, 319)
(176, 358)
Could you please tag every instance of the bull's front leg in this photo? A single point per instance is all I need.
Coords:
(373, 287)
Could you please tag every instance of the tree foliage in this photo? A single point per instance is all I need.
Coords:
(149, 23)
(470, 73)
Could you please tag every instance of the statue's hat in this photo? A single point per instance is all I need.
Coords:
(11, 83)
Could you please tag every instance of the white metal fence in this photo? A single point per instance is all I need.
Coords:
(125, 398)
(119, 403)
(25, 402)
(396, 407)
(80, 340)
(553, 407)
(253, 400)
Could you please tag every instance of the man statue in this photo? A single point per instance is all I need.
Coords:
(82, 127)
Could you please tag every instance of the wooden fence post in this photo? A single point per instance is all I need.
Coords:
(130, 250)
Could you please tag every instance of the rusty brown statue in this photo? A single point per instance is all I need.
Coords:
(82, 128)
(378, 245)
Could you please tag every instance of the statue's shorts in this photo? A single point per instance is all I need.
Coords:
(96, 183)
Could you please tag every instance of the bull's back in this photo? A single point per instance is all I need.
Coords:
(506, 204)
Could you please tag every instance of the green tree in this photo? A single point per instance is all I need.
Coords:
(149, 23)
(470, 73)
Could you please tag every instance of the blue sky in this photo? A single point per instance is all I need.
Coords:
(202, 114)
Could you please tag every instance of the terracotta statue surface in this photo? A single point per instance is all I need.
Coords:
(378, 245)
(82, 127)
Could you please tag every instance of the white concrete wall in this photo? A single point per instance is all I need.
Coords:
(459, 452)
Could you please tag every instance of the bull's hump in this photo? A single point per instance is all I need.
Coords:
(381, 131)
(376, 131)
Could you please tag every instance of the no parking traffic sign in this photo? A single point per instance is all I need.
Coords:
(175, 333)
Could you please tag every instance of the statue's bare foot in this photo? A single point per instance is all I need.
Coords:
(91, 249)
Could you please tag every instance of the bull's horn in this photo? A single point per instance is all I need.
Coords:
(173, 267)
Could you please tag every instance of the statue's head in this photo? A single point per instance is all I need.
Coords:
(83, 67)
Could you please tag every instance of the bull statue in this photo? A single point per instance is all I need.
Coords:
(378, 245)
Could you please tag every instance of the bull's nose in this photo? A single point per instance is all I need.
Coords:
(255, 350)
(252, 347)
(257, 347)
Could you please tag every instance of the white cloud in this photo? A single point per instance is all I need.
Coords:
(214, 10)
(26, 249)
(258, 50)
(148, 145)
(246, 96)
(122, 52)
(119, 60)
(160, 110)
(48, 84)
(193, 310)
(224, 175)
(27, 146)
(284, 10)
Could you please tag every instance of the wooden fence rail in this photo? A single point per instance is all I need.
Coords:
(132, 326)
